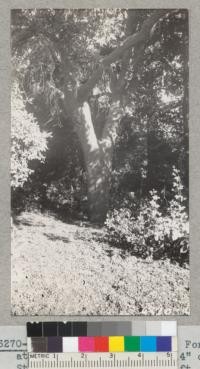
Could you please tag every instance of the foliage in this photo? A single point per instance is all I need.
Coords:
(54, 50)
(28, 143)
(152, 231)
(56, 43)
(54, 53)
(68, 198)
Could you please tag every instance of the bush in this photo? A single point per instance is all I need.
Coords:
(28, 143)
(67, 196)
(151, 231)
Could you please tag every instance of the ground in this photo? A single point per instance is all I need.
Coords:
(61, 269)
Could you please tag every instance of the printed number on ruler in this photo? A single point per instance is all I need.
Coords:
(104, 360)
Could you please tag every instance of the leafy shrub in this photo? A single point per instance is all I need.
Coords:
(68, 196)
(60, 195)
(28, 143)
(152, 231)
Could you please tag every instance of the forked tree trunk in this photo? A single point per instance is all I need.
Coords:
(98, 153)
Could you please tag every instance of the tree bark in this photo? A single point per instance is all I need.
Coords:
(117, 54)
(97, 165)
(98, 157)
(98, 153)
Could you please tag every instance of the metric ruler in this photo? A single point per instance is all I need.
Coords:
(103, 360)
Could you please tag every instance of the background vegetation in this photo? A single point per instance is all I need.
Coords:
(55, 55)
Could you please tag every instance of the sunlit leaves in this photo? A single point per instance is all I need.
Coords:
(150, 229)
(28, 143)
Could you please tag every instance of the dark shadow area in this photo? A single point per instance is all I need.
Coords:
(27, 222)
(178, 253)
(53, 237)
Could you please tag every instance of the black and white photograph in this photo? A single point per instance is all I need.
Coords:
(100, 162)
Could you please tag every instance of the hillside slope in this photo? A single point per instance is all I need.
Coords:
(62, 269)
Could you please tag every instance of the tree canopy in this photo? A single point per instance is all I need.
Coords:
(111, 85)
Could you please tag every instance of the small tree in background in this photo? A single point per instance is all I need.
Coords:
(28, 143)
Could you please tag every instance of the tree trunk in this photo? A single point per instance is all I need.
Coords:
(98, 153)
(98, 164)
(99, 179)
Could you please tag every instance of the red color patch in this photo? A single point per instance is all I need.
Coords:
(101, 344)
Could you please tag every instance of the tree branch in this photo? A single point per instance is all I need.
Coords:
(110, 132)
(131, 27)
(118, 53)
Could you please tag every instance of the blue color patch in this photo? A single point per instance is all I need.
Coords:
(148, 344)
(164, 344)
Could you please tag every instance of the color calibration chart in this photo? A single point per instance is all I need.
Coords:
(102, 345)
(14, 353)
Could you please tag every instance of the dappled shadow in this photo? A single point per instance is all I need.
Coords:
(87, 224)
(98, 235)
(28, 222)
(75, 219)
(109, 252)
(54, 237)
(122, 253)
(176, 252)
(81, 221)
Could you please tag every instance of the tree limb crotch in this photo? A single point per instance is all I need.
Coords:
(117, 54)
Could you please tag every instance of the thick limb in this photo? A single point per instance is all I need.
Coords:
(117, 54)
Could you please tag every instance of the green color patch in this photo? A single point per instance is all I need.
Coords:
(132, 343)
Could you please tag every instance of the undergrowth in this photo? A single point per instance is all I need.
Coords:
(153, 231)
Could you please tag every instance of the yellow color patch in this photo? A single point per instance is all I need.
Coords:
(116, 344)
